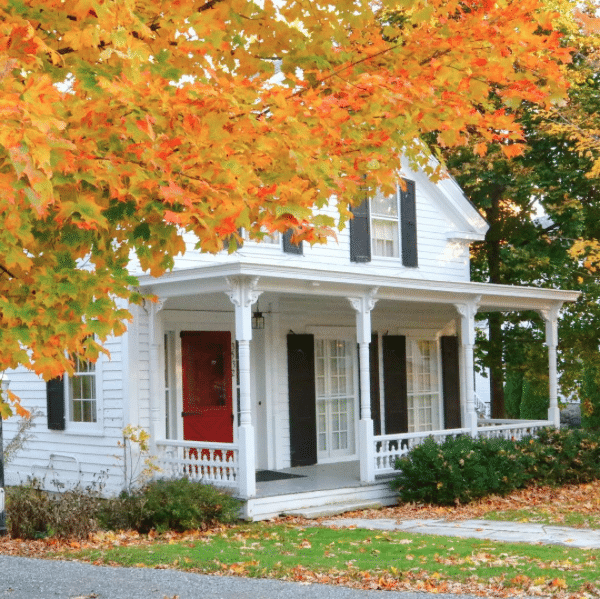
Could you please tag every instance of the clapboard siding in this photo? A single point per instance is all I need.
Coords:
(71, 456)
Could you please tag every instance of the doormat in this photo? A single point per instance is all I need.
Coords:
(265, 476)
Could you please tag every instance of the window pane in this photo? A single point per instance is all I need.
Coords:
(385, 238)
(384, 205)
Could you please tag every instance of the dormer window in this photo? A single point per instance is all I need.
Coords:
(385, 227)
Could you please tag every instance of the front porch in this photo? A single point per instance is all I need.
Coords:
(326, 391)
(320, 489)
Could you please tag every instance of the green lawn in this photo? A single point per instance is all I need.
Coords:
(288, 551)
(540, 515)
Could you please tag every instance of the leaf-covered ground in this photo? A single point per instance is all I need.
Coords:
(300, 550)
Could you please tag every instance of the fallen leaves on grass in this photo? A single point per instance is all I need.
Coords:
(581, 499)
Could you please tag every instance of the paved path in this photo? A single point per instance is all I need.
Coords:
(25, 578)
(510, 532)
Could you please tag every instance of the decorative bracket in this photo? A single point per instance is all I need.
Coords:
(243, 293)
(364, 303)
(155, 325)
(242, 290)
(467, 311)
(550, 316)
(363, 306)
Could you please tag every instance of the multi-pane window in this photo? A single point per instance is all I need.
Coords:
(82, 392)
(384, 225)
(335, 397)
(422, 385)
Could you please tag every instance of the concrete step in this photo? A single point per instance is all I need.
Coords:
(333, 509)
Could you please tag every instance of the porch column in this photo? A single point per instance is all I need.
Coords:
(156, 397)
(363, 306)
(550, 316)
(467, 312)
(242, 295)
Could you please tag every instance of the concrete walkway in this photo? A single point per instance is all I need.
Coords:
(509, 532)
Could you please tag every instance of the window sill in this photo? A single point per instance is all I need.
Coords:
(94, 430)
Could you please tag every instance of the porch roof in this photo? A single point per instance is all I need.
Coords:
(321, 281)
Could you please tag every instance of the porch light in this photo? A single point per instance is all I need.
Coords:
(258, 320)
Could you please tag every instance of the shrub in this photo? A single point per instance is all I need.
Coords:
(566, 456)
(171, 505)
(463, 469)
(33, 513)
(460, 470)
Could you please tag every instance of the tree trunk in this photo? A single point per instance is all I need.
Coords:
(493, 243)
(496, 346)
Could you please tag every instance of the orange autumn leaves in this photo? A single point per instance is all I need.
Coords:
(127, 123)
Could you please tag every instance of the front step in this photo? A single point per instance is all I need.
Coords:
(333, 509)
(320, 503)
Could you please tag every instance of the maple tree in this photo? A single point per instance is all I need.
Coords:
(129, 123)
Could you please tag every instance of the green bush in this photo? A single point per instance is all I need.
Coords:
(171, 505)
(178, 505)
(566, 456)
(460, 470)
(33, 513)
(463, 469)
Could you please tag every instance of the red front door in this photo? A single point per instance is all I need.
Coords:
(207, 407)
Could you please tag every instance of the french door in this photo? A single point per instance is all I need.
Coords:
(336, 398)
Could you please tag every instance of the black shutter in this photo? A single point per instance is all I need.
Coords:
(408, 224)
(288, 246)
(374, 367)
(302, 399)
(394, 384)
(451, 382)
(360, 233)
(55, 401)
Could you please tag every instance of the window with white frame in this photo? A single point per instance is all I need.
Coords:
(422, 385)
(384, 225)
(82, 392)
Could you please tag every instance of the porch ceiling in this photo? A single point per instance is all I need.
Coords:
(314, 282)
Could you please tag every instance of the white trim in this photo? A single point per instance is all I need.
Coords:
(350, 280)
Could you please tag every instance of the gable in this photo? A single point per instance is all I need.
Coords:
(464, 222)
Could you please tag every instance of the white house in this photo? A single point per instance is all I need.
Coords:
(367, 348)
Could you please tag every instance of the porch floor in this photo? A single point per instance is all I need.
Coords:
(319, 477)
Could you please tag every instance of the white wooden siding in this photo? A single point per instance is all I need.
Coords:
(70, 456)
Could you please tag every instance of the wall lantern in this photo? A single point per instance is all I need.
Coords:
(258, 320)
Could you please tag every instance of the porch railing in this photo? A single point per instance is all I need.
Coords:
(390, 447)
(214, 463)
(516, 430)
